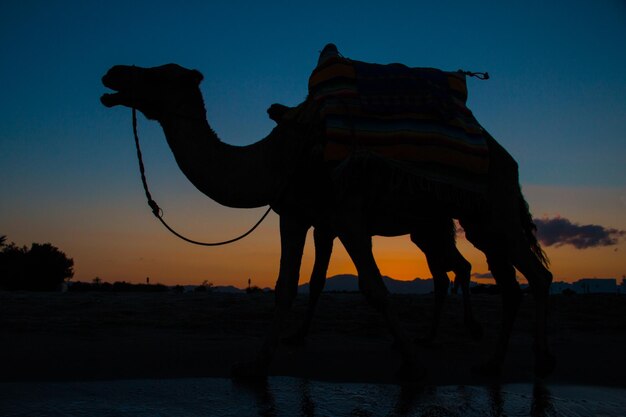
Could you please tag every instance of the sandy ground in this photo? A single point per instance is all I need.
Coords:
(89, 336)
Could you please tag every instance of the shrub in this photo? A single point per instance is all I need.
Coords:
(43, 267)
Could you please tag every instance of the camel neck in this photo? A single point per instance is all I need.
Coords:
(234, 176)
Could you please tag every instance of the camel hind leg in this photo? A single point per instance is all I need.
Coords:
(504, 275)
(437, 241)
(532, 262)
(504, 253)
(432, 247)
(462, 270)
(495, 246)
(539, 279)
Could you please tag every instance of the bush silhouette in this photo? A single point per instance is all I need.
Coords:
(43, 267)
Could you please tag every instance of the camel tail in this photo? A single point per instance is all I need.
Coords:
(530, 230)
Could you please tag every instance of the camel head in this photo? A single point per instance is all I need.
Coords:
(156, 91)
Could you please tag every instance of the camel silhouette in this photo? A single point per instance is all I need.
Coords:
(287, 171)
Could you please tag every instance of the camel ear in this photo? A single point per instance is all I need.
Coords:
(196, 76)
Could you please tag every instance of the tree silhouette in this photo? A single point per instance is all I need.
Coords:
(43, 267)
(12, 265)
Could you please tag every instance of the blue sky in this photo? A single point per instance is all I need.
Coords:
(556, 101)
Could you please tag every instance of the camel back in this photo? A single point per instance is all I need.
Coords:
(414, 117)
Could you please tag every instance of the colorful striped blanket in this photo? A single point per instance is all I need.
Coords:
(415, 115)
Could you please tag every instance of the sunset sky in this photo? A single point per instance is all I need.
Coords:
(556, 101)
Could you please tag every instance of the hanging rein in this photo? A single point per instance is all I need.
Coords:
(158, 212)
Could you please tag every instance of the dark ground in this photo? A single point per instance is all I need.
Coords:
(86, 336)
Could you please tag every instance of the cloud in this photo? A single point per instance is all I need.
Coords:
(485, 275)
(560, 231)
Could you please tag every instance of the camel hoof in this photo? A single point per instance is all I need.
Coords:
(249, 370)
(488, 369)
(294, 340)
(544, 364)
(476, 330)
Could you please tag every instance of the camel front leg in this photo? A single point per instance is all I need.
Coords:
(292, 239)
(323, 250)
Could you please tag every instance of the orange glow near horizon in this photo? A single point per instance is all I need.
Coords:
(178, 263)
(123, 242)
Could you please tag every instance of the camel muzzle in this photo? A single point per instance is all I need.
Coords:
(120, 78)
(114, 99)
(108, 100)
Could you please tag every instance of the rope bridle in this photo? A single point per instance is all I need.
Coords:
(158, 212)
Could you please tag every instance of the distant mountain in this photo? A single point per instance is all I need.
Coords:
(417, 286)
(349, 283)
(227, 289)
(336, 283)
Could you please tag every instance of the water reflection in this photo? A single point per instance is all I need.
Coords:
(282, 396)
(496, 400)
(541, 405)
(325, 399)
(307, 405)
(407, 399)
(261, 393)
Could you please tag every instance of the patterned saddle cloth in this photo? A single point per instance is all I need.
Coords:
(412, 116)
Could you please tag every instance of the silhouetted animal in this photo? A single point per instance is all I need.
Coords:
(286, 171)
